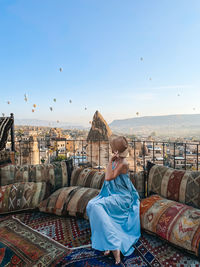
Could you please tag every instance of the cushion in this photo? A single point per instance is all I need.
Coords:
(55, 174)
(179, 185)
(137, 178)
(21, 196)
(175, 222)
(5, 125)
(87, 178)
(69, 201)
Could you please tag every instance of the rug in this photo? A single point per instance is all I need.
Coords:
(73, 233)
(69, 231)
(21, 246)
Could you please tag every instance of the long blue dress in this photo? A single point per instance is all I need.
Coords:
(114, 216)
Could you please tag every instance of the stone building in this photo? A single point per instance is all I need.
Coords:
(98, 150)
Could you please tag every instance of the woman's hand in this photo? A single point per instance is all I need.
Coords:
(114, 156)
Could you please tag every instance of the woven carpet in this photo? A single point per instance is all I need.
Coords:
(71, 232)
(21, 246)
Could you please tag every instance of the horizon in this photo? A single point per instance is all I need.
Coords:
(121, 59)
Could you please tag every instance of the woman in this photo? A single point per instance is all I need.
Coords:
(114, 213)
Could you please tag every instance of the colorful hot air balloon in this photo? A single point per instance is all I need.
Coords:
(34, 105)
(8, 102)
(137, 113)
(54, 99)
(25, 99)
(33, 110)
(60, 69)
(51, 108)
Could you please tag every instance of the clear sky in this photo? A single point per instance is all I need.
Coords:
(99, 45)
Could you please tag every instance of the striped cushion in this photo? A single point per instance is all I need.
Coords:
(54, 174)
(69, 201)
(175, 222)
(5, 125)
(178, 185)
(87, 178)
(21, 196)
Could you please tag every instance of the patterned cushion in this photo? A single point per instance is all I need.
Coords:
(5, 125)
(138, 181)
(54, 174)
(69, 201)
(172, 221)
(21, 196)
(87, 178)
(179, 185)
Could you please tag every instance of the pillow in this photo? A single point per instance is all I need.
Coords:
(55, 174)
(69, 201)
(87, 178)
(175, 222)
(179, 185)
(137, 178)
(21, 196)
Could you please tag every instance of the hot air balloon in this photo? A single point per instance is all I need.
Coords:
(141, 58)
(8, 102)
(25, 99)
(150, 79)
(137, 113)
(33, 110)
(60, 69)
(54, 99)
(51, 108)
(34, 105)
(85, 108)
(70, 101)
(178, 95)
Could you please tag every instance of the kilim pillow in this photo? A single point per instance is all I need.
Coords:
(137, 178)
(175, 222)
(55, 174)
(21, 196)
(179, 185)
(87, 178)
(69, 201)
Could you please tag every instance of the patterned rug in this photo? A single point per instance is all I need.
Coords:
(69, 231)
(72, 232)
(22, 246)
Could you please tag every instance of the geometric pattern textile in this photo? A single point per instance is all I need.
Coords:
(69, 231)
(172, 221)
(5, 125)
(74, 232)
(87, 177)
(137, 178)
(178, 185)
(69, 201)
(54, 175)
(21, 196)
(22, 246)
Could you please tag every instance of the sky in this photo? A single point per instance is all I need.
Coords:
(120, 57)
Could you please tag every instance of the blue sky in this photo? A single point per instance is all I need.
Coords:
(99, 45)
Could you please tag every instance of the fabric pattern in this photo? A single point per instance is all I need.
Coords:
(69, 201)
(5, 158)
(55, 174)
(179, 185)
(87, 177)
(175, 222)
(5, 125)
(69, 231)
(22, 246)
(137, 178)
(21, 196)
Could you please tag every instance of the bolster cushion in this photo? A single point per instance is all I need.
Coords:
(21, 196)
(69, 201)
(175, 222)
(87, 178)
(179, 185)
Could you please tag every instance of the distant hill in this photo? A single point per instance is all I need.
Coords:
(179, 125)
(35, 122)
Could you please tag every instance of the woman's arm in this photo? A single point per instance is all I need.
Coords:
(111, 174)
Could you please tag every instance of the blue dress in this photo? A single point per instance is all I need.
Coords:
(114, 216)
